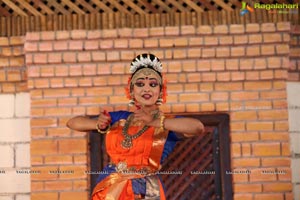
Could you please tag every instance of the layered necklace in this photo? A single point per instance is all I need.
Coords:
(127, 142)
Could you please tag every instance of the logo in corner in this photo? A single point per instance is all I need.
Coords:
(245, 8)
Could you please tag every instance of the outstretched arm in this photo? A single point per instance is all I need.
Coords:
(85, 123)
(187, 126)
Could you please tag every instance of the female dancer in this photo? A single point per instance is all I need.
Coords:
(137, 142)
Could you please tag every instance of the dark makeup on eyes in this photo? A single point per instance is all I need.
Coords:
(141, 82)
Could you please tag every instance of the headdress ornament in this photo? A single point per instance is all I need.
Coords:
(146, 64)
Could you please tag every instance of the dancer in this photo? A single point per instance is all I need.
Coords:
(138, 142)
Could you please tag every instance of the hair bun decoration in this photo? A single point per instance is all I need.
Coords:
(145, 60)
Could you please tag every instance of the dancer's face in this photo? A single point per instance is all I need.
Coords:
(146, 90)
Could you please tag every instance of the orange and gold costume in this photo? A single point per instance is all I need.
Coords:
(134, 174)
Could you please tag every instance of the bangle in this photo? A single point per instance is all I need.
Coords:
(102, 131)
(162, 123)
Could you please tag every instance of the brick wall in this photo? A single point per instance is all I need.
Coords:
(237, 69)
(241, 70)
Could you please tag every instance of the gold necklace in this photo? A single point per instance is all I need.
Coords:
(127, 142)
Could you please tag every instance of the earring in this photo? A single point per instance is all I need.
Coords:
(131, 101)
(159, 101)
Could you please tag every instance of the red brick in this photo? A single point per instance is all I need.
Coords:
(141, 32)
(208, 52)
(31, 46)
(75, 45)
(255, 38)
(258, 85)
(55, 58)
(237, 76)
(74, 145)
(222, 106)
(192, 97)
(266, 74)
(43, 122)
(266, 149)
(219, 96)
(268, 197)
(232, 64)
(62, 35)
(170, 30)
(237, 28)
(272, 37)
(247, 188)
(240, 177)
(40, 58)
(275, 162)
(138, 43)
(194, 41)
(255, 105)
(223, 76)
(58, 159)
(281, 126)
(243, 115)
(232, 86)
(74, 195)
(211, 40)
(208, 107)
(97, 100)
(58, 185)
(282, 48)
(237, 126)
(44, 195)
(225, 40)
(45, 46)
(69, 57)
(242, 196)
(263, 175)
(84, 56)
(187, 30)
(41, 83)
(222, 52)
(46, 71)
(4, 41)
(42, 147)
(193, 53)
(78, 34)
(246, 149)
(77, 172)
(253, 51)
(273, 95)
(268, 27)
(37, 186)
(80, 184)
(252, 28)
(244, 95)
(240, 39)
(204, 30)
(75, 70)
(203, 65)
(285, 173)
(180, 53)
(60, 45)
(56, 83)
(178, 107)
(236, 150)
(206, 87)
(237, 51)
(268, 49)
(56, 93)
(272, 114)
(246, 162)
(259, 126)
(193, 77)
(283, 26)
(221, 29)
(47, 35)
(208, 76)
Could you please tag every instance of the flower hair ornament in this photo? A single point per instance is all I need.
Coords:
(146, 64)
